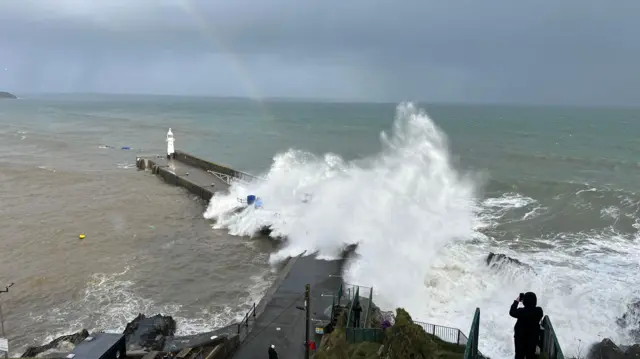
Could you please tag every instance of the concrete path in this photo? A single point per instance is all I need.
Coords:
(281, 323)
(194, 179)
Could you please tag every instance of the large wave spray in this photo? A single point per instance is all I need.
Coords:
(401, 207)
(414, 218)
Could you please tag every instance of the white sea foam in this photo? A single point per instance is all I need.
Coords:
(111, 301)
(414, 217)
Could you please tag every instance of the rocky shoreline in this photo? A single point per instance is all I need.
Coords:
(142, 335)
(607, 349)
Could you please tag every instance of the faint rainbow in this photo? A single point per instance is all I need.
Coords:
(209, 30)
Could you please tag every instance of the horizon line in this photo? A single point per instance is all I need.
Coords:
(338, 100)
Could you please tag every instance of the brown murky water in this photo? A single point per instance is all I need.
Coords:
(147, 249)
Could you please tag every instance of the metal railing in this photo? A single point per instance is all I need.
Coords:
(353, 295)
(336, 301)
(245, 321)
(366, 333)
(214, 167)
(550, 345)
(447, 334)
(225, 178)
(231, 179)
(357, 335)
(352, 301)
(363, 333)
(333, 308)
(349, 290)
(367, 315)
(471, 350)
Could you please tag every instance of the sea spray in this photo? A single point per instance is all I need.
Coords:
(423, 235)
(401, 206)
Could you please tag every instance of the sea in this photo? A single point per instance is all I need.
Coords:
(426, 191)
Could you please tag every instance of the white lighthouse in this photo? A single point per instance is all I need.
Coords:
(170, 146)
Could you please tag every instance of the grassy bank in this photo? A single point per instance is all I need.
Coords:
(404, 340)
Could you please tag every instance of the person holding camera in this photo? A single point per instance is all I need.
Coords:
(273, 354)
(527, 328)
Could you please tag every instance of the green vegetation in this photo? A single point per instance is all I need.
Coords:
(404, 340)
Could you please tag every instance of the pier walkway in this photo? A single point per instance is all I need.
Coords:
(280, 315)
(200, 177)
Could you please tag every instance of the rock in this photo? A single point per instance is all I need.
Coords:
(500, 261)
(606, 349)
(633, 351)
(74, 339)
(141, 334)
(149, 333)
(630, 320)
(7, 95)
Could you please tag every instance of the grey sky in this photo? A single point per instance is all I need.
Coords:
(570, 51)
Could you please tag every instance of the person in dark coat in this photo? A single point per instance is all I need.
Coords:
(357, 309)
(273, 354)
(527, 328)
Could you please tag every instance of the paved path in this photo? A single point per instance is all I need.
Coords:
(281, 323)
(197, 177)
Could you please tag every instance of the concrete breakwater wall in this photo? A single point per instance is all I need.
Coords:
(194, 161)
(200, 177)
(162, 170)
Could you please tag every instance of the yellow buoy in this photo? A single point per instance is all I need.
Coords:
(82, 236)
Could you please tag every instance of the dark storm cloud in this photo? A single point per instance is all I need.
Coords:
(573, 51)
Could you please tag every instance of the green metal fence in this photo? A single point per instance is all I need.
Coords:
(366, 323)
(471, 350)
(336, 300)
(353, 294)
(353, 300)
(364, 333)
(447, 334)
(357, 335)
(550, 345)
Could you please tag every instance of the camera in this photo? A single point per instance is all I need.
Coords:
(521, 296)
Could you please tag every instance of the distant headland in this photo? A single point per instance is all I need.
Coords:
(7, 95)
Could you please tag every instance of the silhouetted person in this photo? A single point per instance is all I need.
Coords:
(527, 328)
(357, 309)
(273, 354)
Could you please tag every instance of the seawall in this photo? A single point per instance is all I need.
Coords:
(194, 161)
(205, 178)
(200, 177)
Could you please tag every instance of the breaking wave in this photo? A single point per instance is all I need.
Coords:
(423, 233)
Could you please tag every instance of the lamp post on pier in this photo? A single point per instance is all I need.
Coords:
(307, 321)
(4, 336)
